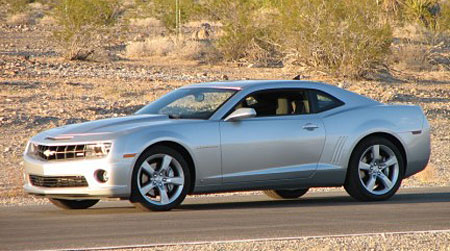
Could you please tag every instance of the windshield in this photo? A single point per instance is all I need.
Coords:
(189, 103)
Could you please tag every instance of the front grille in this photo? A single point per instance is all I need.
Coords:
(58, 181)
(61, 152)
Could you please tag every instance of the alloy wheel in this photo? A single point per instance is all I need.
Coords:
(378, 169)
(160, 179)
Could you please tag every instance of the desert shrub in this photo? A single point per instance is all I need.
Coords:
(420, 49)
(393, 8)
(145, 22)
(202, 51)
(424, 12)
(342, 37)
(154, 46)
(24, 18)
(47, 20)
(23, 12)
(84, 25)
(165, 11)
(412, 57)
(17, 6)
(247, 29)
(431, 14)
(443, 18)
(176, 47)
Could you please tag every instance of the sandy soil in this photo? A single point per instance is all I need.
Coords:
(399, 241)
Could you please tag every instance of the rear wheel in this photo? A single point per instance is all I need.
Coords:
(161, 179)
(375, 170)
(73, 204)
(286, 194)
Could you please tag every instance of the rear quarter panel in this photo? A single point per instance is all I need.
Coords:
(348, 126)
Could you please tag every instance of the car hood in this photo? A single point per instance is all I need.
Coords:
(100, 129)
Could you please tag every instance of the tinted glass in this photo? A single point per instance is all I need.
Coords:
(277, 103)
(323, 101)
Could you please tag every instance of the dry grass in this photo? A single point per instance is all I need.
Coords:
(203, 51)
(25, 18)
(197, 24)
(409, 56)
(145, 22)
(155, 46)
(169, 46)
(419, 49)
(47, 20)
(37, 6)
(29, 16)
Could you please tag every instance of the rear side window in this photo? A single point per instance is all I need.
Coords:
(322, 101)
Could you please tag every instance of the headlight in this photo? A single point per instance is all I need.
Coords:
(27, 148)
(97, 150)
(32, 148)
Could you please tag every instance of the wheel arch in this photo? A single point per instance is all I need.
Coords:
(396, 141)
(183, 151)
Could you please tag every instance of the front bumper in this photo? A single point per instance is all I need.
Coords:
(117, 186)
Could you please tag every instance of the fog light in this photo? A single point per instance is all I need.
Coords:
(102, 176)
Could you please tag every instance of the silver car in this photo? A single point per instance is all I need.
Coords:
(282, 137)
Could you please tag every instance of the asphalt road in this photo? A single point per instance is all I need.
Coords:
(222, 218)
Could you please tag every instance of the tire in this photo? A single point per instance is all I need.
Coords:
(160, 170)
(73, 204)
(375, 170)
(286, 194)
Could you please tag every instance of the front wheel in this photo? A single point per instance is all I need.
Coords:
(73, 204)
(161, 179)
(375, 170)
(286, 194)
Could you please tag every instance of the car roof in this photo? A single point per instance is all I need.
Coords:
(254, 85)
(244, 84)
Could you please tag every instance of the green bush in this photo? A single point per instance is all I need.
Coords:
(443, 19)
(434, 15)
(84, 25)
(342, 37)
(247, 29)
(424, 12)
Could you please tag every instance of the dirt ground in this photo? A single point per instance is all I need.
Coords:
(395, 241)
(39, 90)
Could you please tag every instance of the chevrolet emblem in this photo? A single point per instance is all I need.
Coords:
(49, 153)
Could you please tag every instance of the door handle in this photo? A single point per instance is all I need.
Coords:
(310, 126)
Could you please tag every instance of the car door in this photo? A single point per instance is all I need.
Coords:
(284, 141)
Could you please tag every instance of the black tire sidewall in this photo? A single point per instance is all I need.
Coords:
(137, 198)
(353, 183)
(291, 194)
(73, 204)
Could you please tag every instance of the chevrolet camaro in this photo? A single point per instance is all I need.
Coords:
(282, 137)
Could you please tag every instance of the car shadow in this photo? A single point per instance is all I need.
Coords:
(199, 204)
(306, 201)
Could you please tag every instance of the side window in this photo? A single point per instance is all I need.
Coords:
(277, 103)
(323, 102)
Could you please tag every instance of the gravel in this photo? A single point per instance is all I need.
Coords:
(396, 241)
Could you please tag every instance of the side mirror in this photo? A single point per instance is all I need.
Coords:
(241, 113)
